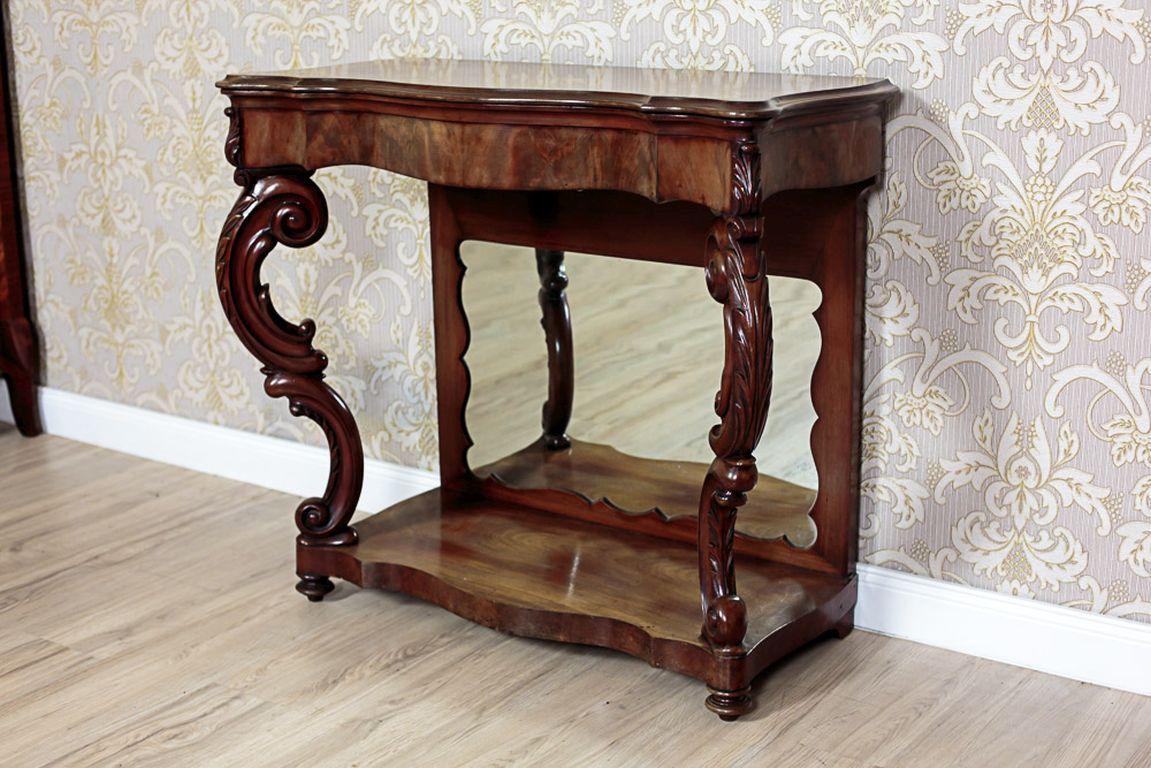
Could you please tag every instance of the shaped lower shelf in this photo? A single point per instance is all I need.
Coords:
(535, 574)
(634, 486)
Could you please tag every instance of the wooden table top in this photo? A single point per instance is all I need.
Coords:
(728, 95)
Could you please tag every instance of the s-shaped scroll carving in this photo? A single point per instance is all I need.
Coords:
(736, 278)
(287, 207)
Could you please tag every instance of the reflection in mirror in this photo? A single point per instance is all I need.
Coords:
(648, 353)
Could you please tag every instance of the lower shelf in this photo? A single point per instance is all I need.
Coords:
(635, 486)
(539, 575)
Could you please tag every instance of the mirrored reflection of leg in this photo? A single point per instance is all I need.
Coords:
(556, 322)
(736, 278)
(285, 207)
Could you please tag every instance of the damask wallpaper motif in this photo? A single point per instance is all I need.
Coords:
(1008, 381)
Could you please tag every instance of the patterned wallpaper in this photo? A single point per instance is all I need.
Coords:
(1008, 381)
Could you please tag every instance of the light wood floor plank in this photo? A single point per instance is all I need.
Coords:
(142, 625)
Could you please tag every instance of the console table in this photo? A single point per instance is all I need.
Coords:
(742, 175)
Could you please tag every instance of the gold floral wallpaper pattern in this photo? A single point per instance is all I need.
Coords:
(1008, 380)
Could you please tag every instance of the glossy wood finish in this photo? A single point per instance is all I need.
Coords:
(737, 279)
(557, 324)
(674, 93)
(413, 117)
(600, 484)
(817, 235)
(287, 208)
(19, 347)
(704, 169)
(560, 579)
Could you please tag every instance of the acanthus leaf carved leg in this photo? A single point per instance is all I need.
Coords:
(736, 278)
(556, 322)
(284, 206)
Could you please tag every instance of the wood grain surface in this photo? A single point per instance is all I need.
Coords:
(555, 578)
(19, 343)
(729, 95)
(664, 135)
(628, 487)
(507, 151)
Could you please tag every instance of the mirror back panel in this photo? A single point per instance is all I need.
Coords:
(647, 348)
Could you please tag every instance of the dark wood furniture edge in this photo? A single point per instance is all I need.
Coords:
(19, 366)
(19, 343)
(491, 481)
(741, 172)
(876, 91)
(587, 629)
(285, 207)
(555, 319)
(728, 676)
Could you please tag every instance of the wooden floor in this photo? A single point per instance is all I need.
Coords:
(140, 625)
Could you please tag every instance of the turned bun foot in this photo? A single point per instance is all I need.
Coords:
(557, 442)
(314, 587)
(730, 705)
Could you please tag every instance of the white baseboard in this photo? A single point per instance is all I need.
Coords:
(269, 462)
(1061, 641)
(1050, 638)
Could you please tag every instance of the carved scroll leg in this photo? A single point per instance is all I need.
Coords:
(19, 363)
(556, 322)
(737, 280)
(286, 207)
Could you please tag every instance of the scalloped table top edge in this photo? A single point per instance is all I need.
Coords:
(723, 95)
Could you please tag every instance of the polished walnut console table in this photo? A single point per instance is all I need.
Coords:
(742, 175)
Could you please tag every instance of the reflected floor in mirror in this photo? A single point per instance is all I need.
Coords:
(648, 343)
